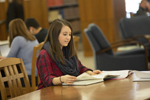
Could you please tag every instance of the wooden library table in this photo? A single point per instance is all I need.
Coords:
(123, 89)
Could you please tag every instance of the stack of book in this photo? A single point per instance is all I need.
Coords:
(71, 12)
(141, 76)
(75, 25)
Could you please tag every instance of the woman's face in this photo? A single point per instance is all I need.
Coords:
(64, 36)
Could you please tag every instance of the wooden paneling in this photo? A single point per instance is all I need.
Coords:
(38, 10)
(91, 9)
(119, 12)
(27, 9)
(104, 13)
(3, 9)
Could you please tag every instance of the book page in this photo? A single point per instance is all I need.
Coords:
(85, 76)
(122, 73)
(86, 79)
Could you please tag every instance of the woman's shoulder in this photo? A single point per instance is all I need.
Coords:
(20, 37)
(44, 52)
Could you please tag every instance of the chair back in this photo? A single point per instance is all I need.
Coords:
(76, 41)
(136, 26)
(34, 80)
(99, 38)
(98, 42)
(11, 71)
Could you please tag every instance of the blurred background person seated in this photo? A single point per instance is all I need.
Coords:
(15, 10)
(144, 8)
(21, 43)
(35, 29)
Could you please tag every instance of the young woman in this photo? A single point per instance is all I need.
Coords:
(57, 61)
(21, 43)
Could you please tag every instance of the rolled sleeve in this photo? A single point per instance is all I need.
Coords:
(82, 68)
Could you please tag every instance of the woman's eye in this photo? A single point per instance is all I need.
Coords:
(65, 34)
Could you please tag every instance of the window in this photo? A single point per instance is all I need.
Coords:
(132, 6)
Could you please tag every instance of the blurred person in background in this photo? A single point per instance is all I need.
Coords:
(21, 44)
(15, 10)
(35, 29)
(143, 8)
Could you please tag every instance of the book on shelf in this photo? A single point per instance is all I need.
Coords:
(52, 15)
(61, 12)
(69, 2)
(141, 76)
(53, 3)
(71, 12)
(75, 25)
(86, 79)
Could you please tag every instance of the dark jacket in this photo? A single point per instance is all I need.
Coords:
(41, 35)
(14, 11)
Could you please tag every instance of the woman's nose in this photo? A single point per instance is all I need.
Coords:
(68, 36)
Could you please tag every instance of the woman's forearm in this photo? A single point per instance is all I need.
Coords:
(57, 80)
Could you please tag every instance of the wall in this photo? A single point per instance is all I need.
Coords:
(38, 10)
(3, 9)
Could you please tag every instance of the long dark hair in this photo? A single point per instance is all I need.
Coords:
(52, 37)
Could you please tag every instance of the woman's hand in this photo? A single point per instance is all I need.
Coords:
(94, 72)
(2, 58)
(68, 79)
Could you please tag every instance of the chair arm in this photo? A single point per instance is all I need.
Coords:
(141, 36)
(118, 45)
(122, 41)
(147, 37)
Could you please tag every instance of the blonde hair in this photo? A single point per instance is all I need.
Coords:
(18, 28)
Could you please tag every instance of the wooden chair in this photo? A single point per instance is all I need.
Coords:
(12, 70)
(76, 41)
(36, 51)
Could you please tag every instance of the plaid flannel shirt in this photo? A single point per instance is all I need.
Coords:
(48, 70)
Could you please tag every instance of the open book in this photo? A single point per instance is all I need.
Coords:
(86, 79)
(141, 76)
